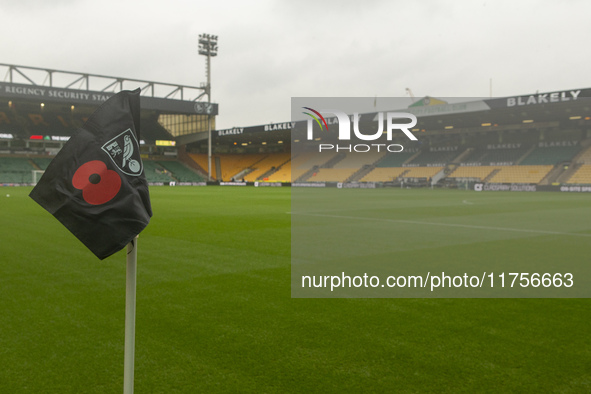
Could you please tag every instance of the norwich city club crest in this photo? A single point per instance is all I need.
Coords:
(124, 150)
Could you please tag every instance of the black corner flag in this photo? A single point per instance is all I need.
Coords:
(96, 185)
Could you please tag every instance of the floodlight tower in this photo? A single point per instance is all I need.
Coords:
(208, 46)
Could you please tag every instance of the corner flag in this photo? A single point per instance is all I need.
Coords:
(96, 185)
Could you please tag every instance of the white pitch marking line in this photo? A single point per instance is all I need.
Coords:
(446, 224)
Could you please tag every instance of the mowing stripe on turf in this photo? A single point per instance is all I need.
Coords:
(444, 224)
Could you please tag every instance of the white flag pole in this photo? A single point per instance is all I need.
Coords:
(130, 287)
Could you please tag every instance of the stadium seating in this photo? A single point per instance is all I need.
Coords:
(9, 124)
(495, 157)
(26, 119)
(472, 172)
(47, 123)
(582, 175)
(260, 164)
(42, 162)
(16, 170)
(332, 175)
(421, 172)
(358, 160)
(516, 161)
(155, 173)
(395, 159)
(20, 170)
(384, 174)
(284, 174)
(180, 172)
(585, 157)
(231, 164)
(202, 161)
(308, 160)
(266, 165)
(520, 174)
(346, 164)
(428, 158)
(551, 155)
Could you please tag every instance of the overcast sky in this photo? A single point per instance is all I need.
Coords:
(270, 51)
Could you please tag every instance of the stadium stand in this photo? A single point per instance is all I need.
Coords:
(26, 121)
(286, 170)
(521, 174)
(180, 172)
(16, 170)
(283, 174)
(202, 160)
(308, 160)
(20, 170)
(494, 157)
(384, 174)
(155, 173)
(231, 165)
(582, 175)
(550, 155)
(332, 174)
(41, 162)
(305, 165)
(40, 123)
(297, 174)
(421, 172)
(351, 166)
(358, 160)
(479, 173)
(548, 150)
(9, 124)
(266, 165)
(535, 165)
(395, 159)
(429, 158)
(585, 156)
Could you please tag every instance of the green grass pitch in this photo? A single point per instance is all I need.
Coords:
(214, 311)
